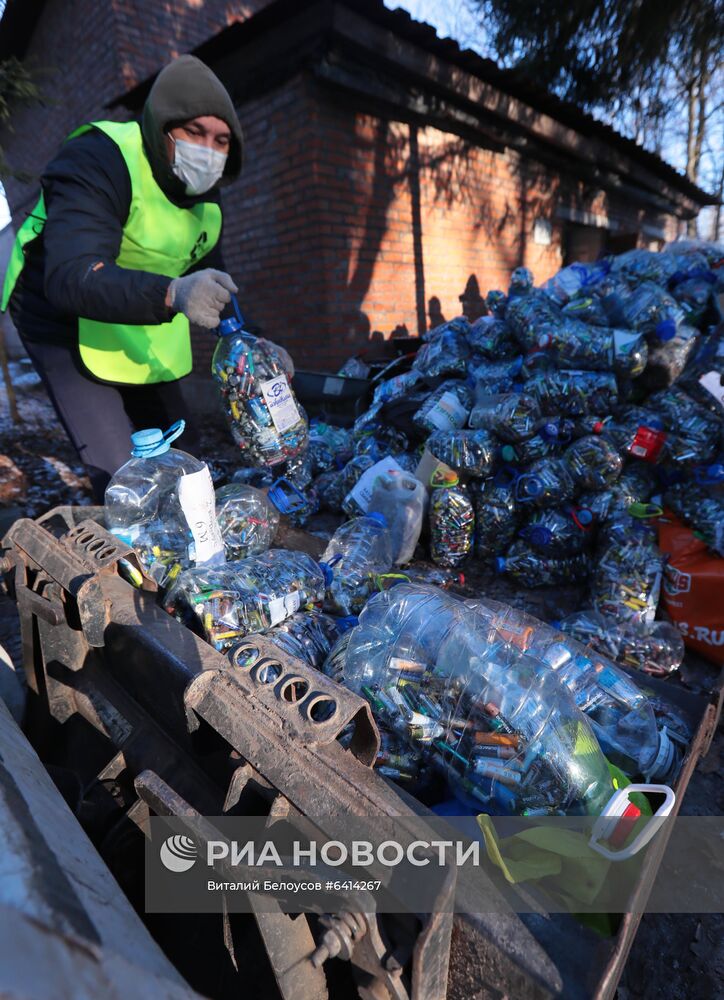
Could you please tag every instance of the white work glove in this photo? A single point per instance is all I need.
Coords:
(201, 296)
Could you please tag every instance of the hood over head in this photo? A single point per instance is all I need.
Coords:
(185, 89)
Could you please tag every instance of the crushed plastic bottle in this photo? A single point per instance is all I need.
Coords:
(471, 452)
(396, 386)
(162, 503)
(495, 376)
(620, 715)
(447, 354)
(265, 419)
(667, 359)
(588, 309)
(228, 602)
(559, 532)
(402, 501)
(491, 337)
(497, 516)
(531, 316)
(535, 570)
(573, 393)
(549, 438)
(359, 550)
(635, 431)
(577, 345)
(445, 409)
(326, 443)
(350, 476)
(569, 282)
(511, 416)
(457, 325)
(656, 649)
(545, 483)
(452, 521)
(626, 581)
(247, 519)
(308, 635)
(507, 733)
(594, 463)
(521, 282)
(649, 309)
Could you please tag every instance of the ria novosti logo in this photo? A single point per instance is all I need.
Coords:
(178, 853)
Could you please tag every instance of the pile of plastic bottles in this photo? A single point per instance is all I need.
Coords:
(540, 443)
(226, 603)
(561, 423)
(513, 712)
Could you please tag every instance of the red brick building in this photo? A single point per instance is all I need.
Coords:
(386, 170)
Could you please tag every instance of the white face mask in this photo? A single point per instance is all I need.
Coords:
(199, 167)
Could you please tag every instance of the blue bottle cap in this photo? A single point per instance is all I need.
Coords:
(665, 329)
(549, 431)
(379, 518)
(152, 442)
(527, 486)
(655, 424)
(540, 535)
(584, 516)
(500, 564)
(713, 473)
(345, 624)
(228, 326)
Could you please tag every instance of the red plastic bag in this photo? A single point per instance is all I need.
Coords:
(693, 590)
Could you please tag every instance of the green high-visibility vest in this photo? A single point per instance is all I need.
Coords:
(159, 237)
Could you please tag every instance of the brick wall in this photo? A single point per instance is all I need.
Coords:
(150, 33)
(344, 226)
(272, 223)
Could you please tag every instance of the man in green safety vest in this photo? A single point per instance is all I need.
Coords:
(119, 254)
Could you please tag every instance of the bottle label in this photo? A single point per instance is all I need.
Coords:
(624, 342)
(712, 383)
(361, 494)
(198, 503)
(647, 443)
(278, 397)
(448, 413)
(282, 607)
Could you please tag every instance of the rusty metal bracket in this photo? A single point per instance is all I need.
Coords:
(74, 561)
(301, 701)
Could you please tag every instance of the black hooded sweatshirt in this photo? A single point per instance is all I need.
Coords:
(87, 191)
